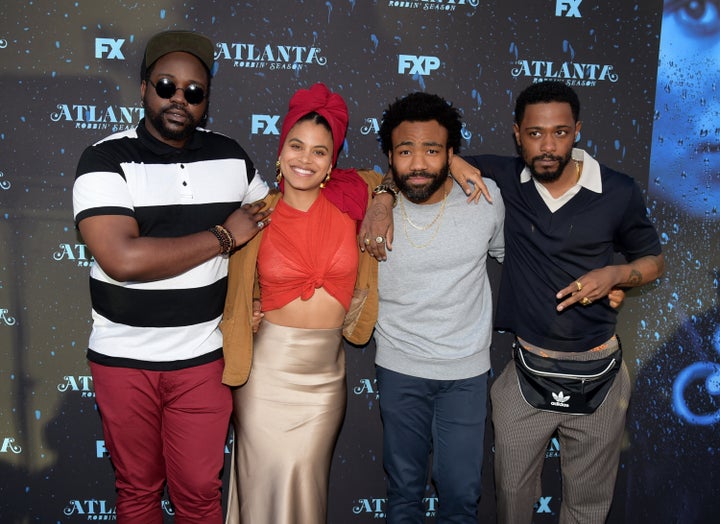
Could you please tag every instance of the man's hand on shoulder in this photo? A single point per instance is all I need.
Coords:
(463, 172)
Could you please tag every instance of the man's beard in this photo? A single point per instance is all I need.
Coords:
(547, 176)
(158, 123)
(419, 194)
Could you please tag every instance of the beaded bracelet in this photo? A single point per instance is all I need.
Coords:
(227, 242)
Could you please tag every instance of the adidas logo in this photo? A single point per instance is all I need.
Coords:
(560, 400)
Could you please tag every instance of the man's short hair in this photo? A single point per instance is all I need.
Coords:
(544, 92)
(421, 107)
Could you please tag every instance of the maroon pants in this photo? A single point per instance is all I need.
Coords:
(165, 427)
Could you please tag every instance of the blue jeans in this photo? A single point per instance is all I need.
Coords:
(446, 417)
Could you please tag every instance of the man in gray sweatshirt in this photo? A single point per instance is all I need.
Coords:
(435, 316)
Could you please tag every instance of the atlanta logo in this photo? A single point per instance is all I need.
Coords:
(433, 5)
(77, 253)
(5, 318)
(572, 73)
(269, 56)
(91, 509)
(4, 184)
(86, 116)
(10, 446)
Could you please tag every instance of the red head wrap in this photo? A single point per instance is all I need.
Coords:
(346, 190)
(318, 99)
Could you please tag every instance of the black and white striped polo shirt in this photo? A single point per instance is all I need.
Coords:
(170, 323)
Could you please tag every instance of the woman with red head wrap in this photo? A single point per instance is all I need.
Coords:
(311, 280)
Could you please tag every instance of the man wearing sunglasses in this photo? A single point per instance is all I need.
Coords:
(161, 207)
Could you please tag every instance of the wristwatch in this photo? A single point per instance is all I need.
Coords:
(384, 188)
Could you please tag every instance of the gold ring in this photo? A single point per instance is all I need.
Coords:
(586, 301)
(379, 239)
(579, 285)
(367, 241)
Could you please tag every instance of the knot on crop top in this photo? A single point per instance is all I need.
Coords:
(302, 251)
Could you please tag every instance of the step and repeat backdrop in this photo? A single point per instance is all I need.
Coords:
(647, 73)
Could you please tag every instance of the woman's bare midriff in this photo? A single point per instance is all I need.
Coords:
(321, 311)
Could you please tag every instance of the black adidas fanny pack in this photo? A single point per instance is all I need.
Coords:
(575, 387)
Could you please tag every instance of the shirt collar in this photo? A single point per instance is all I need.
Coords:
(589, 178)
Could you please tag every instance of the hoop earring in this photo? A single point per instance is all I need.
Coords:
(325, 181)
(278, 174)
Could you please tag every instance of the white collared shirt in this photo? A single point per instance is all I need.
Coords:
(589, 179)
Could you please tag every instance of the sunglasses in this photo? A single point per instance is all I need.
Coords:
(166, 88)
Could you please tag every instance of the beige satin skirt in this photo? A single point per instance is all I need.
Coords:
(287, 418)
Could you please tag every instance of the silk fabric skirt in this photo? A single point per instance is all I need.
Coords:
(287, 418)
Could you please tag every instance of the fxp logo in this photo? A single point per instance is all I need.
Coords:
(417, 65)
(110, 47)
(568, 8)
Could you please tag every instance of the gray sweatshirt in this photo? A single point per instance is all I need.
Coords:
(435, 312)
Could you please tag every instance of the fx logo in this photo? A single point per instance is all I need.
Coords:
(265, 123)
(110, 47)
(571, 6)
(100, 449)
(417, 65)
(543, 505)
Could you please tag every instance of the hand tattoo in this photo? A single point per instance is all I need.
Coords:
(635, 278)
(377, 212)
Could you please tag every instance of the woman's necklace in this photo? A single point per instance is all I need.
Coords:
(437, 220)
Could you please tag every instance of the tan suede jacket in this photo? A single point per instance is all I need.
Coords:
(236, 324)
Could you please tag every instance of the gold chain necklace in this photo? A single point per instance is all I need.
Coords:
(423, 228)
(406, 221)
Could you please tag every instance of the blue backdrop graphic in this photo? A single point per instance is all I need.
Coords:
(647, 73)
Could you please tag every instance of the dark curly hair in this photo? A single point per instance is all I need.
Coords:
(420, 107)
(543, 92)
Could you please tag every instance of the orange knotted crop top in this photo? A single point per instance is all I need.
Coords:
(301, 251)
